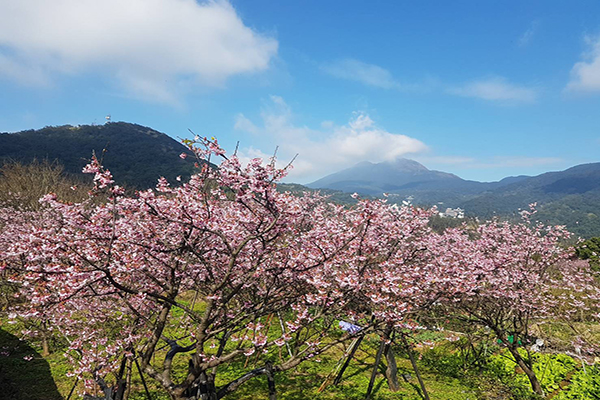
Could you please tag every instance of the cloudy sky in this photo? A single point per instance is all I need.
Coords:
(481, 89)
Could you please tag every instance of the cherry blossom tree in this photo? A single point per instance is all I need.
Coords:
(382, 275)
(508, 277)
(21, 186)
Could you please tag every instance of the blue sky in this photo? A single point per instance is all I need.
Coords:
(481, 89)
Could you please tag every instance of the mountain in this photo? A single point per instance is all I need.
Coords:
(136, 155)
(570, 197)
(404, 178)
(545, 188)
(369, 178)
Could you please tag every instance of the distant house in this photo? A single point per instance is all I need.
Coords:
(453, 213)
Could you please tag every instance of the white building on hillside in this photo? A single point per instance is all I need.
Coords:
(453, 213)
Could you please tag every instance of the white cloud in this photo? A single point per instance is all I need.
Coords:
(24, 74)
(244, 124)
(358, 71)
(375, 76)
(147, 46)
(327, 149)
(528, 35)
(585, 75)
(496, 89)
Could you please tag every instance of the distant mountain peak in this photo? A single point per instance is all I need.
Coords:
(387, 176)
(407, 165)
(362, 164)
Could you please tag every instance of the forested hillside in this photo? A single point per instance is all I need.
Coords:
(136, 155)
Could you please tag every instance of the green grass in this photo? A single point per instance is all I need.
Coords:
(46, 378)
(442, 369)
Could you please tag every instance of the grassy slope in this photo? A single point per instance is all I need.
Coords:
(45, 379)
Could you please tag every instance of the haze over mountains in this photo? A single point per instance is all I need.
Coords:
(570, 197)
(405, 177)
(139, 155)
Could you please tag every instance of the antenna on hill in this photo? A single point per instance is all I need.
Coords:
(107, 118)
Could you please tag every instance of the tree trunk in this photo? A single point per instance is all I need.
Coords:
(121, 385)
(271, 381)
(142, 378)
(340, 374)
(415, 367)
(206, 387)
(45, 348)
(535, 383)
(391, 373)
(375, 367)
(128, 379)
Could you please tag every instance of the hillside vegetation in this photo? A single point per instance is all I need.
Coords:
(136, 155)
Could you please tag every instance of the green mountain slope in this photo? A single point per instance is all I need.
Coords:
(570, 197)
(136, 155)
